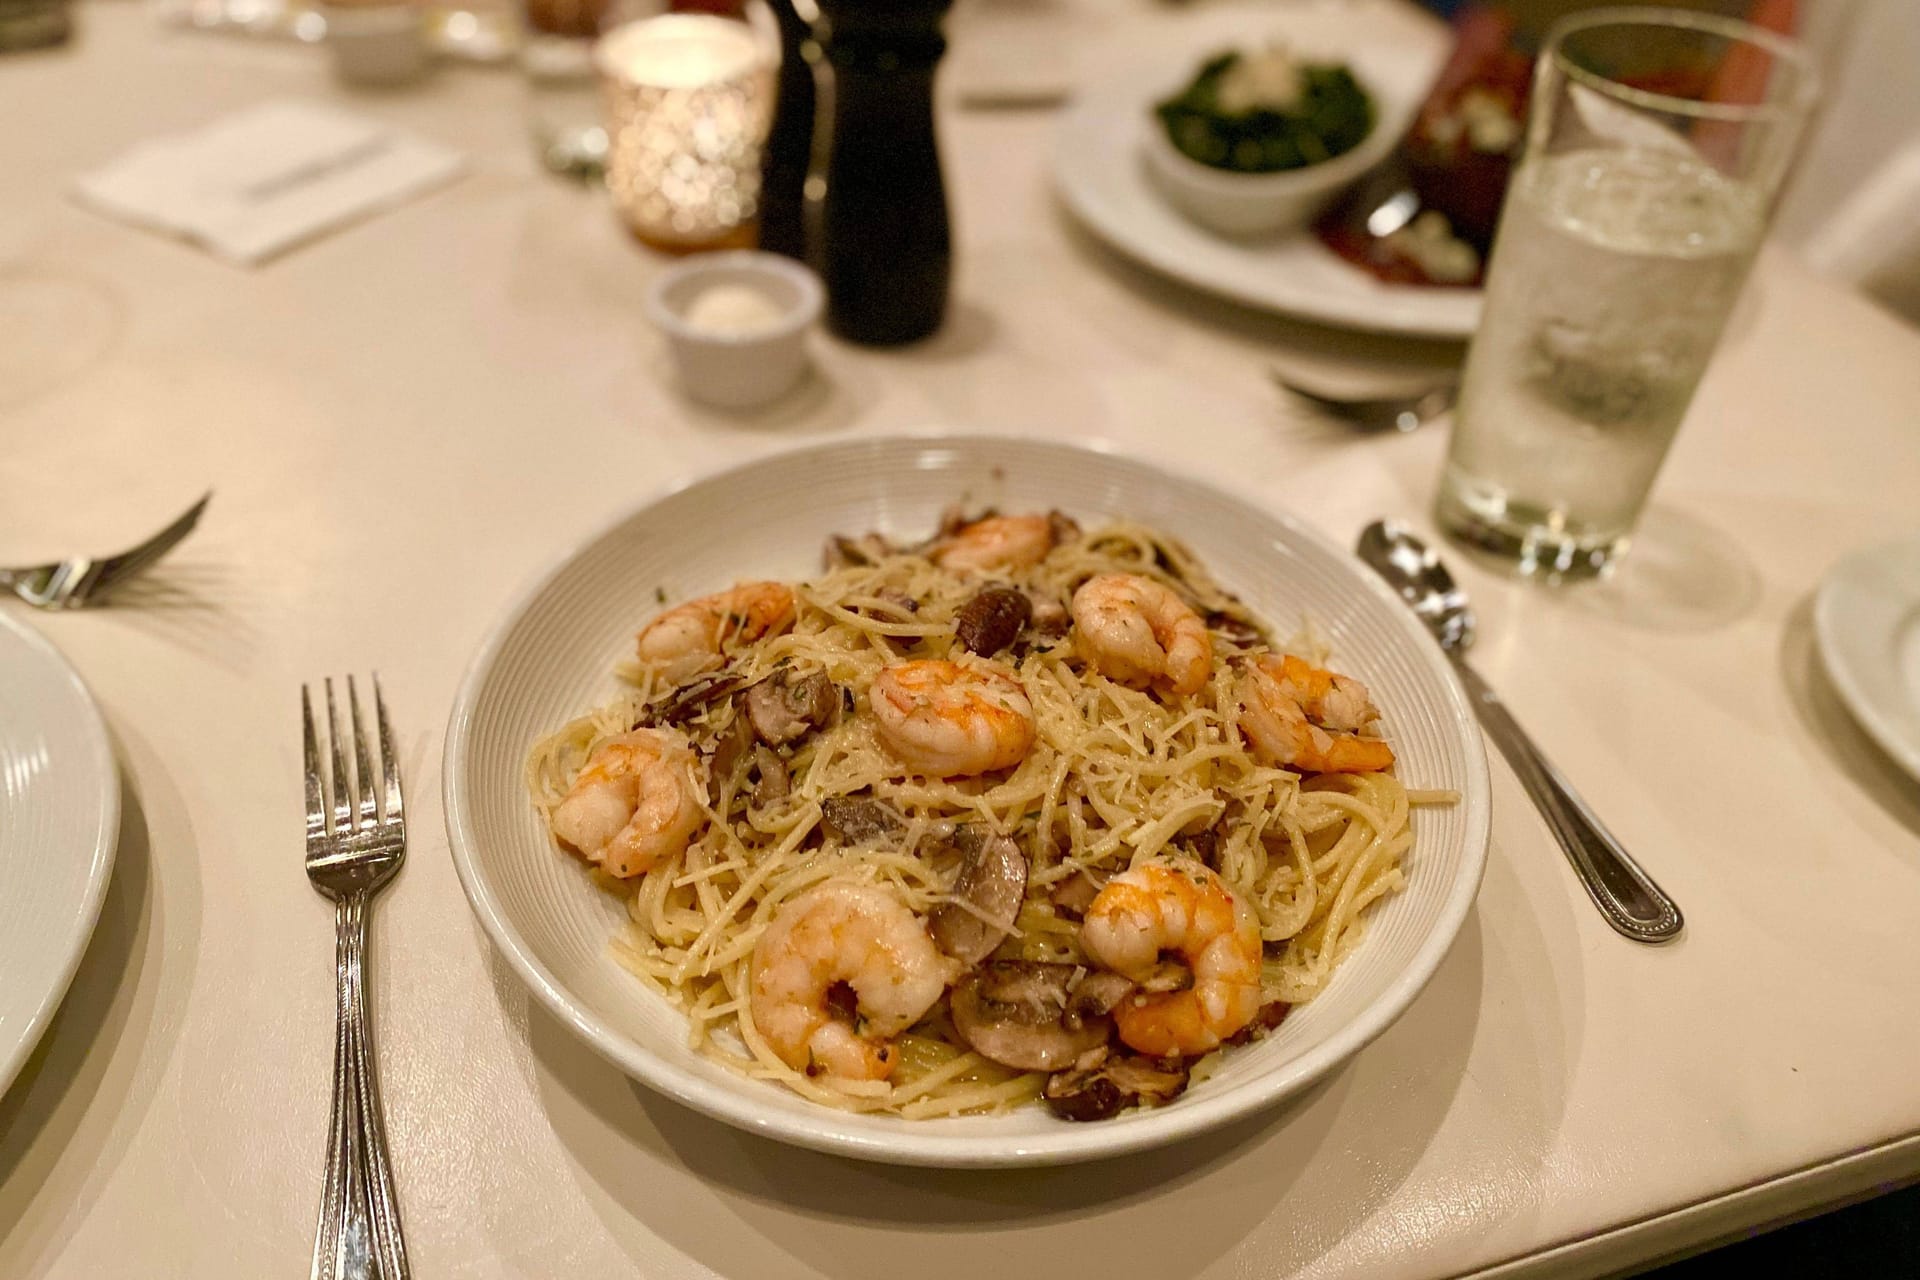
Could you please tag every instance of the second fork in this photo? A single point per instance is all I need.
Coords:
(354, 847)
(1408, 411)
(81, 580)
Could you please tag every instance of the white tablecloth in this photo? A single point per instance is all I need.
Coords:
(404, 421)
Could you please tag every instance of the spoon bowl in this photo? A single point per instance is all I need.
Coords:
(1416, 572)
(1626, 895)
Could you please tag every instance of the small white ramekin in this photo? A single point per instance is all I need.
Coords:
(737, 371)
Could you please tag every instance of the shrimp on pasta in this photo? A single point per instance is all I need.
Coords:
(1027, 812)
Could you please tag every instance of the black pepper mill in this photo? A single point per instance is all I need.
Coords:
(886, 250)
(783, 174)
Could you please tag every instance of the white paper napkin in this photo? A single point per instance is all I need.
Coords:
(256, 184)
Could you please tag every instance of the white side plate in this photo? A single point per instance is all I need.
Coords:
(1099, 173)
(1866, 619)
(59, 821)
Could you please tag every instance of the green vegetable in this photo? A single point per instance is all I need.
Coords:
(1334, 114)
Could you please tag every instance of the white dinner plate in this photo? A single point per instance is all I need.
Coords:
(1866, 620)
(59, 819)
(1098, 171)
(549, 660)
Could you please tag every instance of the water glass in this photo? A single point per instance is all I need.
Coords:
(1656, 145)
(563, 98)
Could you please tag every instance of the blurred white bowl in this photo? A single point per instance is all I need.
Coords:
(550, 658)
(1252, 204)
(737, 370)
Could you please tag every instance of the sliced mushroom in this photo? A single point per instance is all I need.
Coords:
(1096, 995)
(1236, 630)
(1072, 896)
(991, 620)
(687, 701)
(1062, 527)
(1271, 1015)
(860, 819)
(987, 892)
(1209, 844)
(1102, 1082)
(900, 600)
(955, 518)
(1031, 989)
(898, 607)
(1205, 846)
(785, 706)
(774, 783)
(1048, 617)
(1168, 975)
(730, 748)
(1012, 1011)
(854, 553)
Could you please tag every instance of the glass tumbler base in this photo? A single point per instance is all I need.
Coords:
(1532, 542)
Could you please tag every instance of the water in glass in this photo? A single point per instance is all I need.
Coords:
(1615, 272)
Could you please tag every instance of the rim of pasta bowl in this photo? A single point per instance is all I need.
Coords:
(745, 1104)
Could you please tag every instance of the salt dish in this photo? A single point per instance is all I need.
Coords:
(736, 324)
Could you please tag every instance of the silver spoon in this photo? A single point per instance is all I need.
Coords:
(1626, 895)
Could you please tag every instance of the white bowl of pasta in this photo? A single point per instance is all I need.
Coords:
(1304, 888)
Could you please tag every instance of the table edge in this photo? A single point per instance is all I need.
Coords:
(1722, 1219)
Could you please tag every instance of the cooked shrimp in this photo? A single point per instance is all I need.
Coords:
(996, 542)
(946, 720)
(860, 935)
(1137, 631)
(1298, 716)
(635, 804)
(1181, 907)
(692, 637)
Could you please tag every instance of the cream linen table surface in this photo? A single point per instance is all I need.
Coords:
(404, 421)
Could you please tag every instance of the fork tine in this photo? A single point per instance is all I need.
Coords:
(389, 767)
(316, 795)
(114, 569)
(342, 798)
(362, 766)
(1314, 398)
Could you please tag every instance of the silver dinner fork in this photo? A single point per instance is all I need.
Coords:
(81, 580)
(1406, 412)
(353, 849)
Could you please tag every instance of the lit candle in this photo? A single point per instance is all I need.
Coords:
(688, 100)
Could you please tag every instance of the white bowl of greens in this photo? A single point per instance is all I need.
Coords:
(1259, 139)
